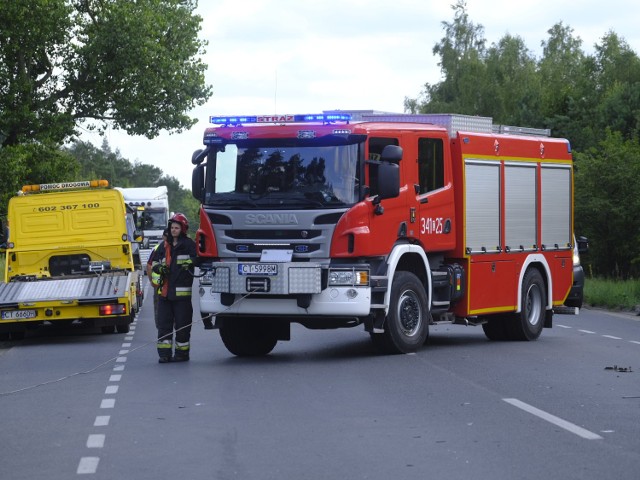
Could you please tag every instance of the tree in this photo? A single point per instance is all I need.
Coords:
(461, 52)
(104, 163)
(617, 86)
(511, 92)
(133, 65)
(181, 200)
(607, 204)
(32, 163)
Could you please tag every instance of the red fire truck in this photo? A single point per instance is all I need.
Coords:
(390, 221)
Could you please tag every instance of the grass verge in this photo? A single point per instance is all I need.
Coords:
(612, 294)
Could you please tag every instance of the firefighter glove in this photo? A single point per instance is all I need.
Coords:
(160, 269)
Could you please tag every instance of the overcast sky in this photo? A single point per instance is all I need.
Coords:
(302, 56)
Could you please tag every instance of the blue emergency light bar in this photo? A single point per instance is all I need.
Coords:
(306, 118)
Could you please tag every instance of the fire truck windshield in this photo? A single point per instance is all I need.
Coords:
(291, 176)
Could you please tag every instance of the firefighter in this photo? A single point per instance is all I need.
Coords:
(173, 261)
(154, 278)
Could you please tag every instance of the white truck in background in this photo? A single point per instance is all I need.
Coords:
(152, 204)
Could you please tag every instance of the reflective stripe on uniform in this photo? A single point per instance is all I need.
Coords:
(183, 291)
(164, 344)
(183, 347)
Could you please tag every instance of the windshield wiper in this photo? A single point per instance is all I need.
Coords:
(233, 202)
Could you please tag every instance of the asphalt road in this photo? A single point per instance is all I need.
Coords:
(75, 403)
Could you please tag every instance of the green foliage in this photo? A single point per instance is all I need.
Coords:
(607, 204)
(133, 65)
(32, 163)
(104, 163)
(612, 294)
(593, 100)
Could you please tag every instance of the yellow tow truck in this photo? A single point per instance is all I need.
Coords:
(69, 256)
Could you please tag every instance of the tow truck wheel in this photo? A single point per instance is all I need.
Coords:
(528, 323)
(246, 337)
(17, 335)
(407, 324)
(122, 328)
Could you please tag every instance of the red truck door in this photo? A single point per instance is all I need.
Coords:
(434, 192)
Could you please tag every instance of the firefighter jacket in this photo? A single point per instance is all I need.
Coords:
(177, 261)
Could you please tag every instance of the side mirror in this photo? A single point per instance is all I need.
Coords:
(391, 153)
(199, 155)
(583, 245)
(388, 179)
(197, 183)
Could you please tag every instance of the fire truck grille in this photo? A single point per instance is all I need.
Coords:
(272, 234)
(257, 248)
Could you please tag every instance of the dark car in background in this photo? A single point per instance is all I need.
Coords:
(576, 295)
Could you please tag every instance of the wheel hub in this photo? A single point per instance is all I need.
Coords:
(409, 313)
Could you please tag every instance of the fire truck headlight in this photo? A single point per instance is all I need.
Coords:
(359, 278)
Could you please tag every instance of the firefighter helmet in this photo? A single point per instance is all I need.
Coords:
(182, 220)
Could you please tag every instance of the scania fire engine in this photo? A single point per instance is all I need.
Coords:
(390, 221)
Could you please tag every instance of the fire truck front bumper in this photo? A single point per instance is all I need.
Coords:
(285, 289)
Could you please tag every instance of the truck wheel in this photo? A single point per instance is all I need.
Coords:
(247, 337)
(122, 328)
(529, 322)
(108, 329)
(406, 327)
(17, 335)
(496, 327)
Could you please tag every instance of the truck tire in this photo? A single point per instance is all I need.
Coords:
(527, 324)
(406, 327)
(496, 327)
(247, 337)
(17, 335)
(122, 328)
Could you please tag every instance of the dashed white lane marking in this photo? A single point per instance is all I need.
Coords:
(559, 422)
(613, 337)
(111, 390)
(96, 440)
(88, 465)
(102, 421)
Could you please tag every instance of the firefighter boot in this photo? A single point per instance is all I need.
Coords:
(182, 352)
(164, 351)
